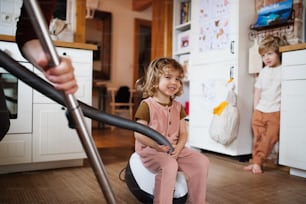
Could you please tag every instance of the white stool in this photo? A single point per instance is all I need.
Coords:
(141, 182)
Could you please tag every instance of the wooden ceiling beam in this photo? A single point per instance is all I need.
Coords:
(140, 5)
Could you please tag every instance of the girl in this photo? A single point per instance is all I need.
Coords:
(267, 95)
(159, 110)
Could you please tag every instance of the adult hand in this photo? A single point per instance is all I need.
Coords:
(62, 76)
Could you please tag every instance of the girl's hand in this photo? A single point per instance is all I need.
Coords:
(176, 151)
(162, 148)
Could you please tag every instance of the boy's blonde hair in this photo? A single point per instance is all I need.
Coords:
(149, 85)
(271, 42)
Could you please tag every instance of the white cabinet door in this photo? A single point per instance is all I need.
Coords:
(293, 129)
(16, 149)
(52, 139)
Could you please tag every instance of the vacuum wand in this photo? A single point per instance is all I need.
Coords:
(72, 105)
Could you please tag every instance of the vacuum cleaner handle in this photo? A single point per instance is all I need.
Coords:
(74, 111)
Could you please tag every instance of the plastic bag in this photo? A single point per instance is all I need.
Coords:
(224, 125)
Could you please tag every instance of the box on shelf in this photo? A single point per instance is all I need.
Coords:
(185, 12)
(183, 40)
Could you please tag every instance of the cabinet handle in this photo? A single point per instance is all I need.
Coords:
(232, 47)
(64, 53)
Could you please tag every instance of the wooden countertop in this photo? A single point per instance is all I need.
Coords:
(57, 43)
(288, 48)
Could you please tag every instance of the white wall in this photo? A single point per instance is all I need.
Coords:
(122, 39)
(9, 13)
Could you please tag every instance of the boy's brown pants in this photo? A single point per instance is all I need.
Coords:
(265, 134)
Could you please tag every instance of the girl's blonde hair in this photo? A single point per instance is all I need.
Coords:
(149, 84)
(271, 42)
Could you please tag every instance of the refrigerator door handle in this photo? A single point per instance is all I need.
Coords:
(232, 47)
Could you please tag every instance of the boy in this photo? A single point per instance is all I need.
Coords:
(267, 95)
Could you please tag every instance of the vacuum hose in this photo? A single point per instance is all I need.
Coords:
(48, 90)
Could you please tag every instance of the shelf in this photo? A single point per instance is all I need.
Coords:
(272, 26)
(277, 23)
(184, 26)
(181, 53)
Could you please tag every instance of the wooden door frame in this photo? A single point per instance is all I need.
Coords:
(137, 24)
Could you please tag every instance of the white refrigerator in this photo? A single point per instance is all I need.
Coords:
(219, 50)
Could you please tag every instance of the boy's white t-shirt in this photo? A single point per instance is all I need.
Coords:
(269, 82)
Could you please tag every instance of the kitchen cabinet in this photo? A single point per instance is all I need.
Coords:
(293, 112)
(16, 146)
(49, 142)
(219, 51)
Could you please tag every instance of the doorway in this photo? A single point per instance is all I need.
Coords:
(142, 55)
(142, 51)
(98, 32)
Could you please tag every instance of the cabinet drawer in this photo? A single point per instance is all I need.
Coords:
(82, 69)
(76, 55)
(83, 94)
(294, 72)
(294, 58)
